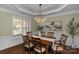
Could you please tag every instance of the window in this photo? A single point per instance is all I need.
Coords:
(21, 26)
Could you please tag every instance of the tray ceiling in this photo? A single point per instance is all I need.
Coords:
(33, 9)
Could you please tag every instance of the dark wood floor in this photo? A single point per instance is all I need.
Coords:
(19, 49)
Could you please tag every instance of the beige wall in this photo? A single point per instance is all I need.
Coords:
(34, 25)
(64, 18)
(6, 23)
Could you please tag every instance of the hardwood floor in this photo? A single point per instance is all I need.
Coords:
(19, 49)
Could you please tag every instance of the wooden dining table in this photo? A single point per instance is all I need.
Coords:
(45, 41)
(45, 38)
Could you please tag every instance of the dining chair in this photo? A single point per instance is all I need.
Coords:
(59, 46)
(29, 34)
(43, 34)
(27, 43)
(50, 35)
(38, 48)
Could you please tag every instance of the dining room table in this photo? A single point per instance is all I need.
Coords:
(45, 41)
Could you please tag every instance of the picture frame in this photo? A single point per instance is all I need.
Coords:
(53, 26)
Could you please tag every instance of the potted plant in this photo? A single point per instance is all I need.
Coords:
(73, 30)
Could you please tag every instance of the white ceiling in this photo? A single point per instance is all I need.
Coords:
(33, 9)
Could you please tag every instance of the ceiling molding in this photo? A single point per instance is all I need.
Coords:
(23, 10)
(15, 13)
(57, 10)
(65, 13)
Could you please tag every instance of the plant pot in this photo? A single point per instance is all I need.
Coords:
(73, 42)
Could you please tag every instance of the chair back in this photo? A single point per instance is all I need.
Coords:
(38, 44)
(29, 34)
(26, 40)
(63, 39)
(37, 40)
(43, 34)
(50, 34)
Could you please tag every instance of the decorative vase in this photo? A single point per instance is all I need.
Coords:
(39, 33)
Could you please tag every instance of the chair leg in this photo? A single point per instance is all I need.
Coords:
(54, 51)
(24, 49)
(29, 51)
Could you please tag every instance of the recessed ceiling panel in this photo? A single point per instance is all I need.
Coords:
(33, 9)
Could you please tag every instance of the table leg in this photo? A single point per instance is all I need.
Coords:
(47, 50)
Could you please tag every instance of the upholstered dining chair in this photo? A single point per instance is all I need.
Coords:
(38, 48)
(27, 43)
(50, 35)
(59, 46)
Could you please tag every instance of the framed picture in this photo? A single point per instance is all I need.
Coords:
(54, 25)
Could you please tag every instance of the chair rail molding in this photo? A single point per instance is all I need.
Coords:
(9, 41)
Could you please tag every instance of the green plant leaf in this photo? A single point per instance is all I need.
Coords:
(72, 27)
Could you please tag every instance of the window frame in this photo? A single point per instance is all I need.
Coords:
(26, 27)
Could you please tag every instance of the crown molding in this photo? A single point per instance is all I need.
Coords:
(65, 13)
(15, 13)
(23, 10)
(56, 10)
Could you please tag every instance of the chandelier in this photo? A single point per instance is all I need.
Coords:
(40, 18)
